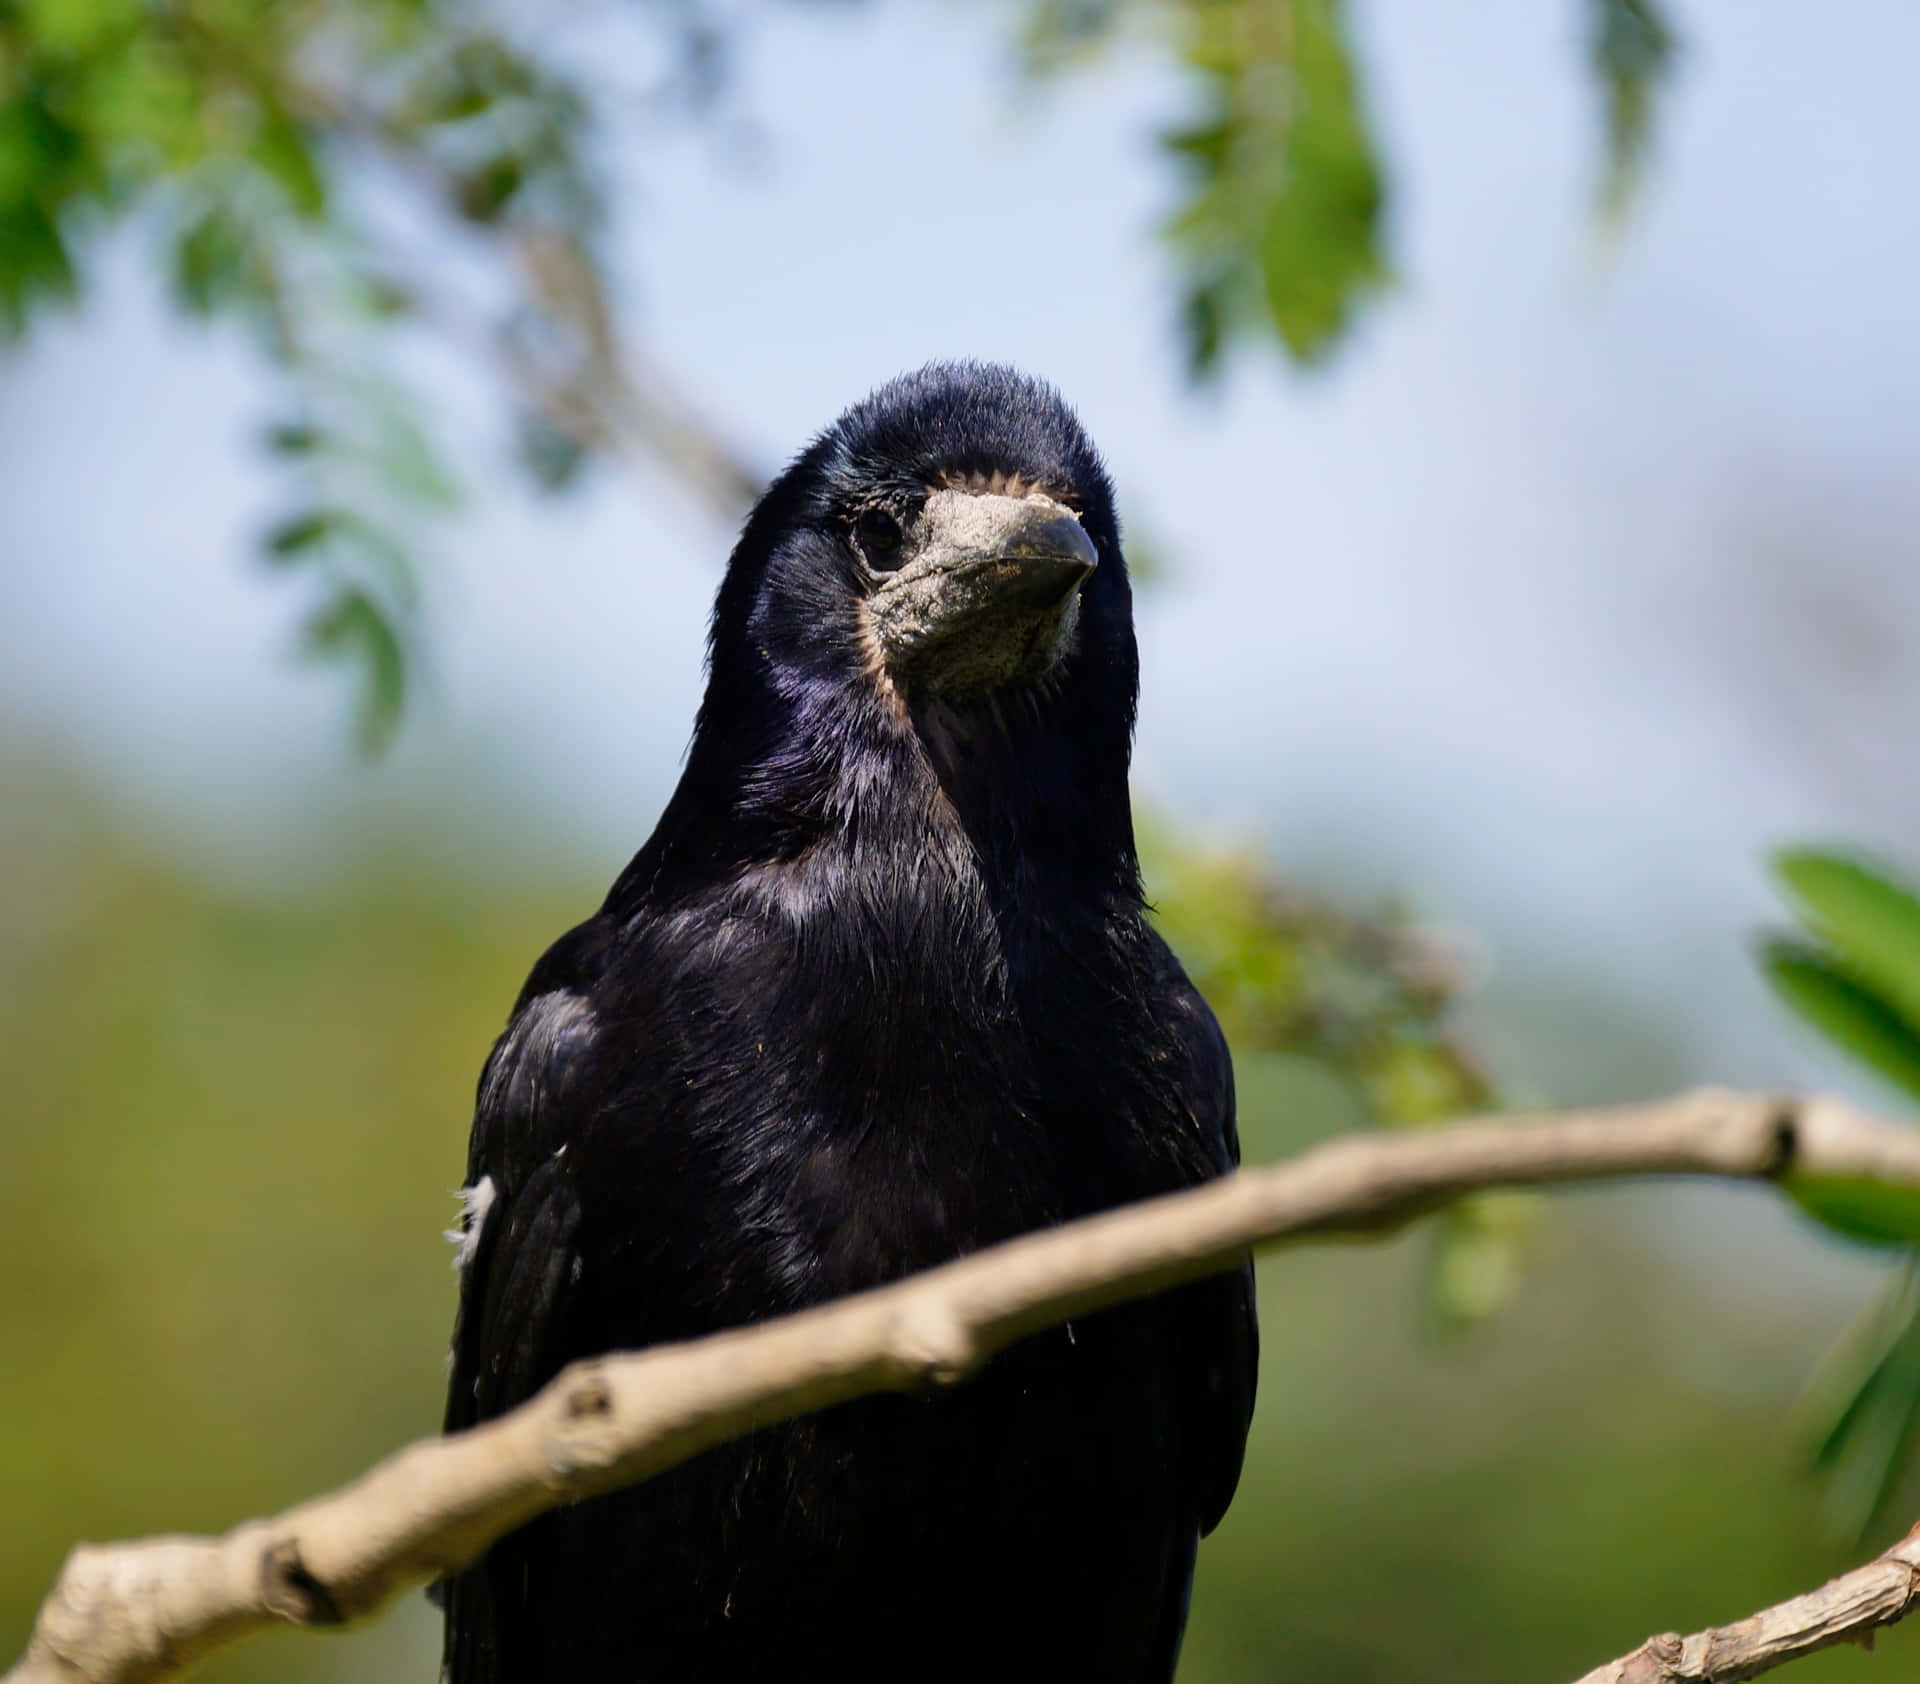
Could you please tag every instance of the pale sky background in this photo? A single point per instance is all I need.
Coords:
(1577, 582)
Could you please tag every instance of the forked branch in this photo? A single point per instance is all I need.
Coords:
(125, 1613)
(1849, 1609)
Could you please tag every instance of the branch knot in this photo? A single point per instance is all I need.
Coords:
(931, 1341)
(290, 1590)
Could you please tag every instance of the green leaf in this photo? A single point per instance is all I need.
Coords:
(35, 266)
(1321, 248)
(354, 628)
(70, 28)
(1867, 1445)
(1860, 1208)
(301, 536)
(386, 556)
(1281, 225)
(476, 76)
(294, 438)
(215, 263)
(1869, 919)
(143, 109)
(484, 191)
(1877, 1387)
(352, 536)
(403, 455)
(1206, 315)
(1845, 1010)
(49, 167)
(1832, 1394)
(1632, 54)
(284, 151)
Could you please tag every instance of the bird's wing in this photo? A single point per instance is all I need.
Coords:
(518, 1262)
(1220, 1335)
(1217, 1339)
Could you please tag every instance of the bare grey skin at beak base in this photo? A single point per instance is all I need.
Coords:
(988, 591)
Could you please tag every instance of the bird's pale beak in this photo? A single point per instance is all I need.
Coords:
(1040, 555)
(988, 595)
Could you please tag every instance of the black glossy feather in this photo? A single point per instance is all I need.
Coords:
(878, 991)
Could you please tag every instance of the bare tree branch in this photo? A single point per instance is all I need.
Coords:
(143, 1611)
(1849, 1609)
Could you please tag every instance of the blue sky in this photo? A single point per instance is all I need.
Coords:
(1577, 581)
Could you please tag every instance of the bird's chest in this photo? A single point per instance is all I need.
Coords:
(932, 1101)
(848, 1105)
(900, 1139)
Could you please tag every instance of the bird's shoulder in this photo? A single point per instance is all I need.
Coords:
(544, 1056)
(568, 1045)
(1189, 1045)
(615, 1004)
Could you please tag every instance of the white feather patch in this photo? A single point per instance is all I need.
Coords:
(475, 1202)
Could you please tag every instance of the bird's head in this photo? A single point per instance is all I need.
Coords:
(958, 500)
(939, 571)
(948, 540)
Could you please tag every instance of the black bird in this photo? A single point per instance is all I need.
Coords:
(877, 992)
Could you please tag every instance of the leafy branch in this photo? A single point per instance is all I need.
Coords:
(1371, 995)
(286, 160)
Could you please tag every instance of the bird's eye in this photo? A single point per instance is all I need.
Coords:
(879, 535)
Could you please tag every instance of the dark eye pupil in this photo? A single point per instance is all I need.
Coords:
(879, 530)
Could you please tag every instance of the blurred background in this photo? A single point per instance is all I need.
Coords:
(1517, 404)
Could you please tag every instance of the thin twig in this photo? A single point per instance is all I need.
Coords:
(142, 1611)
(1849, 1609)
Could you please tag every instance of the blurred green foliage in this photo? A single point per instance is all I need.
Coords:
(1373, 1000)
(1852, 970)
(232, 1123)
(1633, 50)
(329, 173)
(246, 140)
(232, 1118)
(1281, 228)
(1376, 995)
(1281, 223)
